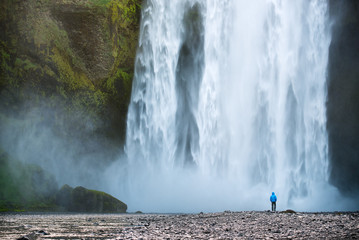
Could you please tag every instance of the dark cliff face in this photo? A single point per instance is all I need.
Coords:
(72, 63)
(343, 96)
(66, 70)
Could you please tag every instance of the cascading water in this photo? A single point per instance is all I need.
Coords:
(228, 105)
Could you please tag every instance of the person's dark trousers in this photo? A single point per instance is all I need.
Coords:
(273, 206)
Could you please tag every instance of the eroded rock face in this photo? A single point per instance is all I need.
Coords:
(77, 55)
(66, 70)
(89, 37)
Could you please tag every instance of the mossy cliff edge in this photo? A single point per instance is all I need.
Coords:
(74, 56)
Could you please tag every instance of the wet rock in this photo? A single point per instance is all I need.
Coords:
(289, 211)
(32, 236)
(42, 232)
(23, 238)
(81, 199)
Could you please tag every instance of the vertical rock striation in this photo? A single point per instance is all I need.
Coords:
(343, 96)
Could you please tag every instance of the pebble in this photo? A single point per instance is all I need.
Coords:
(222, 225)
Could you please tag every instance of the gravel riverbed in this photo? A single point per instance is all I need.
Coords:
(223, 225)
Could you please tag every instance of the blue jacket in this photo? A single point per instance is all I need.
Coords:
(273, 198)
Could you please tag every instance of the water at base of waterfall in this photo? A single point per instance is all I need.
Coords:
(227, 106)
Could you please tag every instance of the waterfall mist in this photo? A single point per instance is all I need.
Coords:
(228, 105)
(64, 145)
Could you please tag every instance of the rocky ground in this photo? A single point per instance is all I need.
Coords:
(224, 225)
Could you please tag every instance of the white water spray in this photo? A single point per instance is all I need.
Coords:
(228, 105)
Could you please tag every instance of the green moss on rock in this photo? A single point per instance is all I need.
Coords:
(72, 61)
(81, 199)
(63, 50)
(25, 187)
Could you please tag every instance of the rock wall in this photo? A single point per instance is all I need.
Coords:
(73, 57)
(343, 96)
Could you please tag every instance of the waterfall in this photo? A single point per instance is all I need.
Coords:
(228, 105)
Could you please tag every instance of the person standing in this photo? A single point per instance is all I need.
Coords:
(273, 199)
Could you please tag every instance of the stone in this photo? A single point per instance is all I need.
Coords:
(85, 200)
(289, 211)
(257, 225)
(43, 232)
(81, 199)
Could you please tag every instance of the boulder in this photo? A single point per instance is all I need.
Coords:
(81, 199)
(288, 211)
